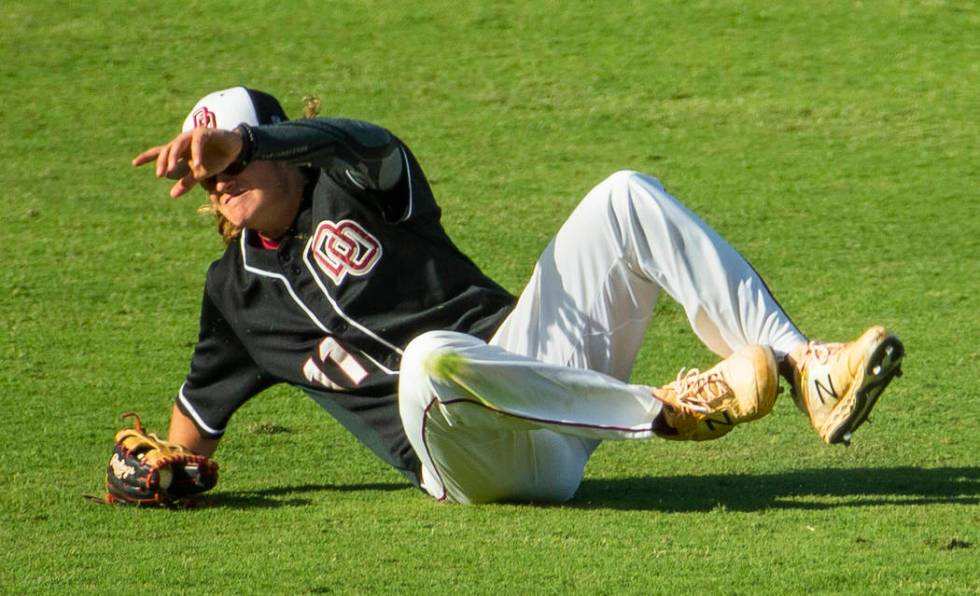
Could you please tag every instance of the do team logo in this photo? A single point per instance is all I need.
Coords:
(205, 117)
(344, 248)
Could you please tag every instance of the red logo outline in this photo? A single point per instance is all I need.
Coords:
(205, 117)
(343, 248)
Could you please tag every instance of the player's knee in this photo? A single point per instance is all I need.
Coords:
(634, 196)
(419, 350)
(628, 179)
(431, 353)
(632, 192)
(622, 177)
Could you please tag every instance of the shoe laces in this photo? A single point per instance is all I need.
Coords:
(699, 394)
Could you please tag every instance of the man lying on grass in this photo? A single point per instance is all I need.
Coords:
(339, 279)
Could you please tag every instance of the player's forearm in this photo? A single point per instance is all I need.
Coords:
(344, 148)
(184, 432)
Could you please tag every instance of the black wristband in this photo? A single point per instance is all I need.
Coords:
(245, 155)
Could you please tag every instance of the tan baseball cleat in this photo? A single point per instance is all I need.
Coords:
(838, 384)
(703, 406)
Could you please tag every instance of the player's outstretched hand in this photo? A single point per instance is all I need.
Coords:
(193, 156)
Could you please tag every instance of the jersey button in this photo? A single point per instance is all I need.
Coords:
(296, 270)
(284, 257)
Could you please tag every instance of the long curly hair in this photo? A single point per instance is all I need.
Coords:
(228, 231)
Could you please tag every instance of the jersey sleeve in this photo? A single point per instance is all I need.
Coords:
(363, 157)
(222, 377)
(366, 155)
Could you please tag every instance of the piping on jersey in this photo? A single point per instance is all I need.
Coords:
(352, 181)
(336, 307)
(411, 194)
(307, 250)
(281, 278)
(333, 304)
(292, 294)
(309, 313)
(183, 399)
(197, 418)
(378, 364)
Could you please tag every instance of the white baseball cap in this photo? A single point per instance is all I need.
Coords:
(230, 107)
(227, 109)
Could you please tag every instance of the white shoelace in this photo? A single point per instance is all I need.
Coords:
(697, 393)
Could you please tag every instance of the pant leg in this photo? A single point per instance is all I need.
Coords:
(593, 290)
(490, 425)
(586, 307)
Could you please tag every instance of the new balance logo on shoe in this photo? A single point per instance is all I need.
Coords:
(823, 392)
(713, 424)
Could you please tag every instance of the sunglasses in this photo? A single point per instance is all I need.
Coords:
(210, 184)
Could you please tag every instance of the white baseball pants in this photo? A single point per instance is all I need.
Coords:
(518, 418)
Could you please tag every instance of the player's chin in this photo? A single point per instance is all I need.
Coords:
(237, 209)
(237, 215)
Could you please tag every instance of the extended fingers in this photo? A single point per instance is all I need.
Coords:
(197, 148)
(162, 157)
(192, 156)
(180, 171)
(166, 156)
(147, 156)
(183, 186)
(176, 150)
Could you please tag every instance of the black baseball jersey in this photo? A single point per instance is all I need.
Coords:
(365, 268)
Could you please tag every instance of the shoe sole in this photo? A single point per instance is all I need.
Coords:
(883, 365)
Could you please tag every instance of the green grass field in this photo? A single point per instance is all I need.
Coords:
(835, 143)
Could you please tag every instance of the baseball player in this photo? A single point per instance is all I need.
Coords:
(339, 279)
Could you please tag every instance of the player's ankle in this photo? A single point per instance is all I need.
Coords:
(791, 365)
(787, 368)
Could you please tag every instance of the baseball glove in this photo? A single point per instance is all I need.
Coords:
(145, 469)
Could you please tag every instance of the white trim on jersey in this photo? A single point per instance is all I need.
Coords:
(353, 180)
(411, 194)
(378, 364)
(197, 417)
(307, 251)
(281, 278)
(309, 313)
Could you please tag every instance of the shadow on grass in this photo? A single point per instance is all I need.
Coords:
(287, 496)
(802, 489)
